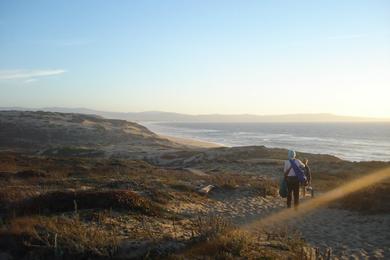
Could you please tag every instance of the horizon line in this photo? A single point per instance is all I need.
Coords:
(195, 115)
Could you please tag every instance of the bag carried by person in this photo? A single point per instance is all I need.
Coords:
(298, 172)
(283, 192)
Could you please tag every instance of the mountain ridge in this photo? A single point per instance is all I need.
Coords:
(215, 117)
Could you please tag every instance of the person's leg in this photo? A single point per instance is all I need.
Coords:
(289, 192)
(296, 193)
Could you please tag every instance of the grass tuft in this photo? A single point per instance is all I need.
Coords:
(63, 201)
(57, 236)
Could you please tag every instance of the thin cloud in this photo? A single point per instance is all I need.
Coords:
(27, 81)
(29, 74)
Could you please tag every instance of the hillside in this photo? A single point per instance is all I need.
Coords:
(78, 134)
(81, 186)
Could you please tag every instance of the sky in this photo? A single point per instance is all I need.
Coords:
(198, 57)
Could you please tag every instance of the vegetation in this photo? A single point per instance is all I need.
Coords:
(87, 207)
(64, 201)
(372, 200)
(80, 207)
(57, 236)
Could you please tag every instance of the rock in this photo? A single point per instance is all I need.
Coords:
(206, 190)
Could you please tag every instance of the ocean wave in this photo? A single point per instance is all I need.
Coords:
(353, 142)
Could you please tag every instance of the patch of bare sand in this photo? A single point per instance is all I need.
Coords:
(350, 235)
(197, 172)
(191, 142)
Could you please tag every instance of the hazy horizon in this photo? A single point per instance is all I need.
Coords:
(220, 57)
(246, 117)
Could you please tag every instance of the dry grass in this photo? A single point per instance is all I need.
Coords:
(240, 244)
(49, 189)
(329, 175)
(230, 181)
(63, 201)
(57, 236)
(372, 200)
(209, 227)
(229, 245)
(217, 238)
(10, 196)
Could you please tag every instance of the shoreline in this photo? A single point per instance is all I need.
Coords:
(191, 142)
(197, 143)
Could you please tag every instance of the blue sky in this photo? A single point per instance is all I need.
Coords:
(260, 57)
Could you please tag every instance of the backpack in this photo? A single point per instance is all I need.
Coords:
(283, 188)
(298, 172)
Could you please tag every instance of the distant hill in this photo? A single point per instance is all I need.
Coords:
(177, 117)
(74, 134)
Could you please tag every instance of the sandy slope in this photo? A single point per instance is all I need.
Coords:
(191, 142)
(350, 235)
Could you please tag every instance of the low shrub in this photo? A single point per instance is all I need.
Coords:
(230, 245)
(226, 181)
(31, 174)
(240, 244)
(11, 196)
(63, 201)
(231, 181)
(73, 152)
(210, 226)
(48, 238)
(372, 200)
(266, 187)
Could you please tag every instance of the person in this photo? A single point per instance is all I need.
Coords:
(307, 184)
(292, 179)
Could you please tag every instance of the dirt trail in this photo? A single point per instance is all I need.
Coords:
(349, 234)
(196, 172)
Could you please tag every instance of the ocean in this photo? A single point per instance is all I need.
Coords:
(349, 141)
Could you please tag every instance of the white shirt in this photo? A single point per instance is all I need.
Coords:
(287, 165)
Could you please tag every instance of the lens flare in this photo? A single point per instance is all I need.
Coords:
(312, 204)
(321, 200)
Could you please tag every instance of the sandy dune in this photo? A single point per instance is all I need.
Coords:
(179, 167)
(191, 142)
(349, 235)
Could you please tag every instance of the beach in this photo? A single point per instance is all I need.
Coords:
(191, 142)
(348, 141)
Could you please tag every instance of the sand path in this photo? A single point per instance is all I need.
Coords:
(350, 235)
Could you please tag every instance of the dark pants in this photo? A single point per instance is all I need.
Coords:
(292, 187)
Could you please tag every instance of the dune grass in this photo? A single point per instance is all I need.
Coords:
(49, 237)
(371, 200)
(86, 207)
(65, 201)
